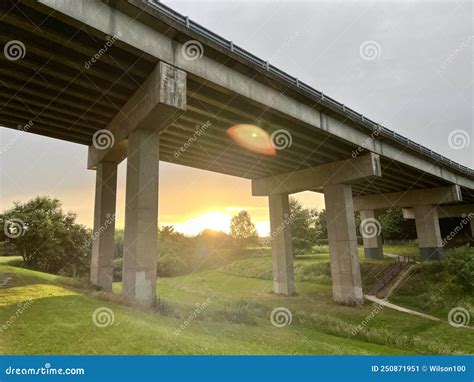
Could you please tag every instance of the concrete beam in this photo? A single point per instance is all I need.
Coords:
(315, 178)
(159, 101)
(453, 211)
(141, 217)
(345, 268)
(441, 195)
(428, 232)
(112, 22)
(282, 248)
(370, 229)
(104, 226)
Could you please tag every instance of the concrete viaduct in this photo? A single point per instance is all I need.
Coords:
(150, 77)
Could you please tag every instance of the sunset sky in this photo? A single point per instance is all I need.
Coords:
(319, 43)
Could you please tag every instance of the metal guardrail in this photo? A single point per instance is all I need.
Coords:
(324, 99)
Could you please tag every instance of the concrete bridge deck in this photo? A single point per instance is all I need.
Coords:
(123, 67)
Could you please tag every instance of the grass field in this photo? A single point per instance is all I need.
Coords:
(225, 311)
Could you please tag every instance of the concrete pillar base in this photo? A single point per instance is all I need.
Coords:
(104, 226)
(141, 218)
(282, 248)
(431, 253)
(373, 253)
(370, 230)
(345, 268)
(429, 234)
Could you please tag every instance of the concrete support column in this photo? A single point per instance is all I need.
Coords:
(141, 217)
(282, 248)
(345, 269)
(104, 225)
(428, 232)
(372, 237)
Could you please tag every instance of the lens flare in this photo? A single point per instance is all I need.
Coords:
(252, 138)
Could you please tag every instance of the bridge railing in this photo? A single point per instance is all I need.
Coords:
(322, 98)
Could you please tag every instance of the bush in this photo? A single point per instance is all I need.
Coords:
(48, 239)
(460, 264)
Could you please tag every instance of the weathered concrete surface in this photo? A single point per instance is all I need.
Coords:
(457, 210)
(440, 195)
(282, 248)
(364, 167)
(373, 247)
(155, 105)
(141, 217)
(345, 268)
(428, 232)
(104, 225)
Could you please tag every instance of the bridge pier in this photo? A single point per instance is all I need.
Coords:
(373, 248)
(345, 269)
(141, 217)
(428, 231)
(104, 225)
(282, 248)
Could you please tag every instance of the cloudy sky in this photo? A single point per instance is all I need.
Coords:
(406, 64)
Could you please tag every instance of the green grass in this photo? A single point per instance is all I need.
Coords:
(234, 320)
(409, 250)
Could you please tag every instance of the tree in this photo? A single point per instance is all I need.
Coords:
(395, 227)
(302, 227)
(47, 238)
(242, 230)
(320, 225)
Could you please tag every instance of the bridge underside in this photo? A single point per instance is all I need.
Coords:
(74, 80)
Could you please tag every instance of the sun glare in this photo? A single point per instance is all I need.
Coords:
(217, 221)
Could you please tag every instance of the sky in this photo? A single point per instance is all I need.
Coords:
(405, 64)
